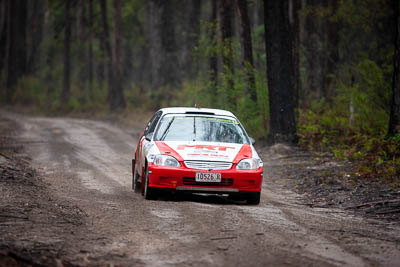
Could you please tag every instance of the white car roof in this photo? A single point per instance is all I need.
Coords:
(183, 110)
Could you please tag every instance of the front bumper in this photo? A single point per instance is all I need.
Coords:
(183, 179)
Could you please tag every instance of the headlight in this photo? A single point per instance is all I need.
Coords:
(249, 164)
(165, 160)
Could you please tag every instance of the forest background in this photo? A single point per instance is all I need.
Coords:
(330, 73)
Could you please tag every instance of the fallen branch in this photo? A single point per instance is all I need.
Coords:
(222, 238)
(13, 217)
(7, 157)
(387, 211)
(374, 203)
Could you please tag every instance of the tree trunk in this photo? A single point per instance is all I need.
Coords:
(245, 36)
(314, 50)
(394, 122)
(12, 77)
(22, 44)
(333, 50)
(117, 59)
(156, 53)
(191, 26)
(213, 61)
(80, 18)
(165, 65)
(3, 34)
(67, 53)
(279, 71)
(294, 7)
(36, 34)
(90, 50)
(225, 23)
(81, 33)
(118, 38)
(16, 44)
(170, 72)
(256, 13)
(115, 94)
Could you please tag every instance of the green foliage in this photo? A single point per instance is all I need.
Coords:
(361, 139)
(30, 91)
(258, 40)
(364, 28)
(204, 94)
(353, 124)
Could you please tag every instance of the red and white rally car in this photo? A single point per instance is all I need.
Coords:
(197, 150)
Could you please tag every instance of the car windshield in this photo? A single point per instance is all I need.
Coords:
(200, 128)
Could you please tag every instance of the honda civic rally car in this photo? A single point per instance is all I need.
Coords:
(197, 150)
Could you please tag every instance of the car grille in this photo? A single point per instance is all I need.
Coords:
(208, 165)
(192, 181)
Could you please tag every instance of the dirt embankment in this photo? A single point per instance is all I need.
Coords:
(35, 226)
(324, 182)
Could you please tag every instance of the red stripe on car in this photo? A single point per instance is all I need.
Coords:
(167, 150)
(244, 153)
(205, 147)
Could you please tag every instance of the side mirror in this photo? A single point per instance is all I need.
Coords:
(252, 140)
(148, 136)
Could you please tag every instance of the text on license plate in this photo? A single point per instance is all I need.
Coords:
(208, 177)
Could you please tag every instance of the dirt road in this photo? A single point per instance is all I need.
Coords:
(86, 164)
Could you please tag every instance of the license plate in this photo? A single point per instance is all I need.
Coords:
(208, 177)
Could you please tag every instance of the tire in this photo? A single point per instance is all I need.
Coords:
(136, 184)
(148, 192)
(253, 198)
(133, 175)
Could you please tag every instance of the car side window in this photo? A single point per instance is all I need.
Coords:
(152, 123)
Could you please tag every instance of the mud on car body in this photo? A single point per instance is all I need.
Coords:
(198, 151)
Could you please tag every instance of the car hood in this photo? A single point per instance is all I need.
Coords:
(207, 151)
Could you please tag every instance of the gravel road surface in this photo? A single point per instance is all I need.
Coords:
(87, 164)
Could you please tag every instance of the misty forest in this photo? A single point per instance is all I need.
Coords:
(320, 74)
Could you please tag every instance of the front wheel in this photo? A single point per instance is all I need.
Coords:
(136, 183)
(148, 192)
(135, 176)
(254, 198)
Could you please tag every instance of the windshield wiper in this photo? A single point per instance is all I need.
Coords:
(167, 129)
(194, 128)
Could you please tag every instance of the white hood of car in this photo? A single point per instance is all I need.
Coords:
(207, 151)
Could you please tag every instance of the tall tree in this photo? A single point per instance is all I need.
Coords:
(245, 36)
(169, 69)
(394, 122)
(3, 32)
(36, 24)
(117, 47)
(165, 64)
(115, 95)
(294, 7)
(90, 49)
(81, 34)
(67, 52)
(191, 30)
(225, 23)
(279, 71)
(16, 44)
(213, 60)
(314, 52)
(332, 47)
(156, 53)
